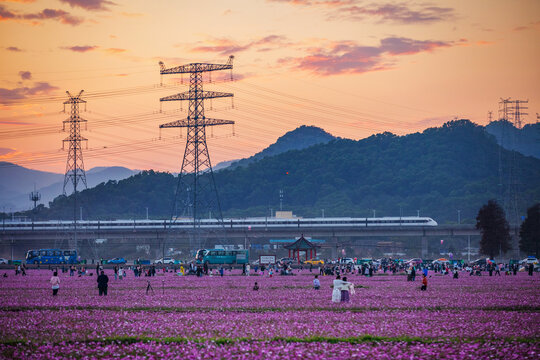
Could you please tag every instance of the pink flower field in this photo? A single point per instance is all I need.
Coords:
(222, 317)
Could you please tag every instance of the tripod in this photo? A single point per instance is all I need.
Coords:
(149, 288)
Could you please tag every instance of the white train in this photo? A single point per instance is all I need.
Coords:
(247, 223)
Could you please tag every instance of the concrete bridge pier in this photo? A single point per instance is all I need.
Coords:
(424, 247)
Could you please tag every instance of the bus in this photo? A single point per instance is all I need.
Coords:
(51, 256)
(220, 256)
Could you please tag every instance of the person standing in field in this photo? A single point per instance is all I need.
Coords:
(103, 283)
(424, 283)
(316, 283)
(345, 288)
(55, 283)
(336, 293)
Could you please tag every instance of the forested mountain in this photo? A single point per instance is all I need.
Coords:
(438, 172)
(297, 139)
(525, 140)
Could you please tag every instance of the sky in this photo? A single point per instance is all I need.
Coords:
(352, 67)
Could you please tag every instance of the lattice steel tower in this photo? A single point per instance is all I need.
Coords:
(75, 164)
(196, 177)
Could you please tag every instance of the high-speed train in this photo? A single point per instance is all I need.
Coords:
(247, 223)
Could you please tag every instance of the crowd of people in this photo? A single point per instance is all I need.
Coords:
(342, 287)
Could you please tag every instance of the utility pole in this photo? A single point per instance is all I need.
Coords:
(281, 200)
(74, 165)
(196, 175)
(490, 116)
(468, 248)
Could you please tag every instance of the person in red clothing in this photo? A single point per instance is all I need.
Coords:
(424, 283)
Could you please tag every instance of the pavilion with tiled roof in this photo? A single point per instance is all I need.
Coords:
(300, 245)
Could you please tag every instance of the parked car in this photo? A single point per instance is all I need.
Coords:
(314, 262)
(286, 261)
(4, 261)
(347, 261)
(165, 260)
(117, 260)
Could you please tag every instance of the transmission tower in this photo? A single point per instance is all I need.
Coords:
(511, 111)
(35, 196)
(513, 197)
(75, 165)
(196, 177)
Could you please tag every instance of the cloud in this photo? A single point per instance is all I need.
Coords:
(402, 46)
(347, 57)
(5, 14)
(385, 12)
(63, 16)
(6, 151)
(91, 5)
(115, 50)
(521, 28)
(229, 47)
(14, 49)
(81, 49)
(47, 14)
(25, 75)
(9, 96)
(397, 13)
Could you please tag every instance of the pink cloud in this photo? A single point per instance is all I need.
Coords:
(6, 151)
(25, 75)
(228, 47)
(14, 49)
(346, 57)
(9, 96)
(80, 49)
(385, 12)
(92, 5)
(47, 14)
(63, 16)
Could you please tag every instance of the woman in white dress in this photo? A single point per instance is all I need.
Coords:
(336, 293)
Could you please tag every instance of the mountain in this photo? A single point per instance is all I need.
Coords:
(525, 140)
(18, 182)
(297, 139)
(438, 172)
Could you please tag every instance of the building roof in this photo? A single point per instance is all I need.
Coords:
(301, 244)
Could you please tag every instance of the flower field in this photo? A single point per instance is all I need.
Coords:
(222, 317)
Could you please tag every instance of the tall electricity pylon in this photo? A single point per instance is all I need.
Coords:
(196, 177)
(75, 165)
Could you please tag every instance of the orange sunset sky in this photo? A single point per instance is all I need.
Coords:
(352, 67)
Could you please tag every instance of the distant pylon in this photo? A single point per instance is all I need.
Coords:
(196, 176)
(35, 196)
(75, 164)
